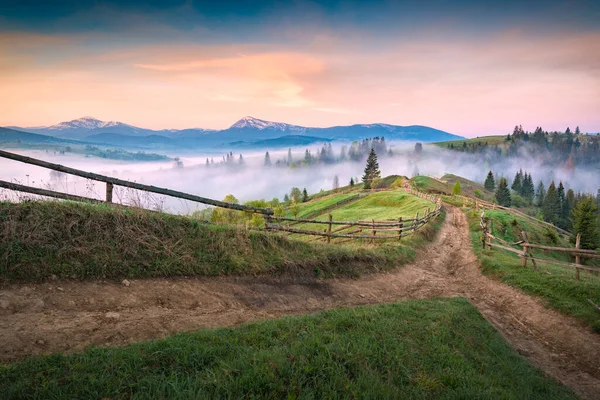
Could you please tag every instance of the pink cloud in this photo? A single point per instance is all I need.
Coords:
(474, 87)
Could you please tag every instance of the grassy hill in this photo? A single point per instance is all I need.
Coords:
(429, 185)
(468, 187)
(84, 241)
(440, 348)
(556, 285)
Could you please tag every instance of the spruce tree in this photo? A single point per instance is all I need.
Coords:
(490, 183)
(527, 189)
(304, 195)
(562, 200)
(351, 181)
(585, 222)
(551, 207)
(517, 183)
(503, 193)
(371, 170)
(336, 182)
(540, 194)
(267, 159)
(568, 207)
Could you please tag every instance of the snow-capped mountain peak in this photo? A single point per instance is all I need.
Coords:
(83, 123)
(251, 122)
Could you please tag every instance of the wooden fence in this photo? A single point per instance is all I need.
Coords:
(482, 204)
(110, 183)
(374, 228)
(526, 252)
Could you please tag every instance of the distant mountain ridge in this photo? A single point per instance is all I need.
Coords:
(248, 131)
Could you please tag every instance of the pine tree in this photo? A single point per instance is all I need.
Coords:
(490, 183)
(568, 207)
(540, 194)
(207, 163)
(527, 189)
(267, 159)
(456, 188)
(351, 181)
(304, 195)
(585, 222)
(518, 182)
(551, 207)
(562, 200)
(503, 193)
(336, 182)
(371, 170)
(286, 198)
(241, 160)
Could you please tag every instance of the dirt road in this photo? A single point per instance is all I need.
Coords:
(68, 316)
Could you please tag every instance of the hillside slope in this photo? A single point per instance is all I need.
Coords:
(95, 241)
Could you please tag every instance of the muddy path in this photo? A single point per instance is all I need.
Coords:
(68, 316)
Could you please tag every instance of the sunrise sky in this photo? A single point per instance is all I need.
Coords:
(468, 67)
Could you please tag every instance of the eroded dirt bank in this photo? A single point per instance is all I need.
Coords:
(68, 316)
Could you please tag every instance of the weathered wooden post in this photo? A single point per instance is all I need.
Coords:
(577, 258)
(109, 192)
(374, 232)
(329, 230)
(416, 222)
(524, 254)
(400, 228)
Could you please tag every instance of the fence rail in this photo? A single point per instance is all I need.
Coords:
(403, 227)
(526, 252)
(478, 203)
(110, 183)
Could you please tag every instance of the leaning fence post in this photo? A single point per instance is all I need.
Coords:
(329, 230)
(400, 228)
(577, 258)
(109, 192)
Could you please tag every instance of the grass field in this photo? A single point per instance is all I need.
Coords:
(84, 241)
(440, 348)
(430, 185)
(314, 207)
(383, 205)
(469, 187)
(554, 284)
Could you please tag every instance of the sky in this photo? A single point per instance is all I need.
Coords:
(467, 67)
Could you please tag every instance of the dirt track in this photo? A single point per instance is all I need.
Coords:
(68, 316)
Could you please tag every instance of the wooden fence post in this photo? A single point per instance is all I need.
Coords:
(529, 250)
(415, 222)
(329, 231)
(109, 192)
(400, 228)
(374, 231)
(577, 258)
